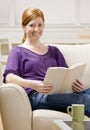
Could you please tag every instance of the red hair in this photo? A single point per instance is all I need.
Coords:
(30, 14)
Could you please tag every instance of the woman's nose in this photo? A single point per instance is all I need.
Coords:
(36, 28)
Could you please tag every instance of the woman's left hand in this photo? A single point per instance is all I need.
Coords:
(77, 86)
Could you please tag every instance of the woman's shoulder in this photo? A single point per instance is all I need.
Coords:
(16, 50)
(57, 51)
(54, 47)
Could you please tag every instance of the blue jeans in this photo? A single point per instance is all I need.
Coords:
(59, 102)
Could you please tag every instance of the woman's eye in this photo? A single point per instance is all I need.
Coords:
(31, 25)
(40, 25)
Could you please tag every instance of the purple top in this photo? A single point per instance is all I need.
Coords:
(30, 65)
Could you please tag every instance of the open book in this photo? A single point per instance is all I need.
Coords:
(62, 78)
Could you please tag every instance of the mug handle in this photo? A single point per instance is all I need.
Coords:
(69, 110)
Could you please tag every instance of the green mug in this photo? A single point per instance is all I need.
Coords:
(76, 111)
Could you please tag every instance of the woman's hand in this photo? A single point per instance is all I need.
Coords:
(42, 87)
(77, 86)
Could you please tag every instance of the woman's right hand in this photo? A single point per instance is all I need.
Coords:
(42, 87)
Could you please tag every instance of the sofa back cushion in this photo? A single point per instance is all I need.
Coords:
(77, 53)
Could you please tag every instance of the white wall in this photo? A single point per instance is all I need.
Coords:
(65, 19)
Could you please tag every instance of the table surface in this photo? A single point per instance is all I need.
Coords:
(85, 125)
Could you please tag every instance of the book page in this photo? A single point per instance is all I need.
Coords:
(56, 76)
(75, 72)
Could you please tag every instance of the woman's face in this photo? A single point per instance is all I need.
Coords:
(34, 29)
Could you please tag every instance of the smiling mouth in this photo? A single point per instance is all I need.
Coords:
(36, 34)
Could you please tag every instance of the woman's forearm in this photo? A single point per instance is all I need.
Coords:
(39, 86)
(12, 78)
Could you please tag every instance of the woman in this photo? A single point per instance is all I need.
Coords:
(27, 65)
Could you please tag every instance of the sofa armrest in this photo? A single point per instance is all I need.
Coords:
(15, 107)
(43, 119)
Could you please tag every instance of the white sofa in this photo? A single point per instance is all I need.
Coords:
(16, 109)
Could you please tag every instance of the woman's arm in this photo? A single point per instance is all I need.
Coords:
(38, 86)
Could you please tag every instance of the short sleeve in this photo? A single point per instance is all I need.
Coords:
(60, 58)
(13, 63)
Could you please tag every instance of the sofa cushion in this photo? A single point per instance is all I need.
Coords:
(78, 53)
